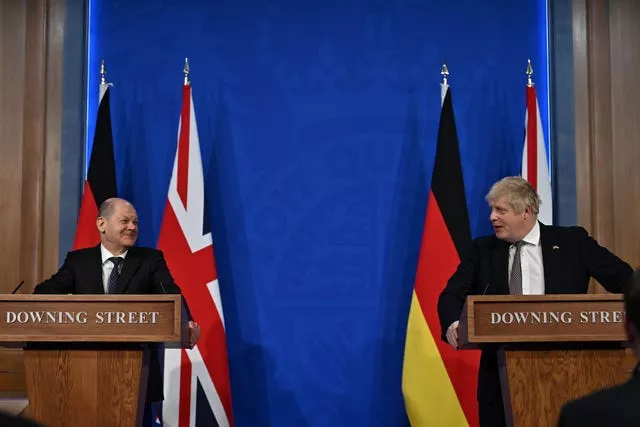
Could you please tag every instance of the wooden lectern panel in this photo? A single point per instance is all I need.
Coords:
(87, 356)
(541, 318)
(537, 383)
(79, 388)
(552, 348)
(90, 318)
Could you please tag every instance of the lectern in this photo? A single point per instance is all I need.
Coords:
(551, 348)
(86, 356)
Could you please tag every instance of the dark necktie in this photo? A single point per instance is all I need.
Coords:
(515, 280)
(115, 275)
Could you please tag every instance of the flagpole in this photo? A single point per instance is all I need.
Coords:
(444, 86)
(104, 85)
(103, 73)
(444, 72)
(186, 72)
(529, 73)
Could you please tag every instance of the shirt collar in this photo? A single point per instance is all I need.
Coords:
(533, 237)
(106, 254)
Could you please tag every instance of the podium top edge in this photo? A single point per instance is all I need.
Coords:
(541, 298)
(90, 297)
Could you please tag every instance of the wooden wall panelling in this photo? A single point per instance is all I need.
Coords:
(607, 123)
(31, 36)
(624, 17)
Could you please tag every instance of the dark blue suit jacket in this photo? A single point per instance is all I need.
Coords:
(144, 271)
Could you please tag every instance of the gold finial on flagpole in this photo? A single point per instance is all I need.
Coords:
(444, 72)
(103, 73)
(186, 71)
(529, 73)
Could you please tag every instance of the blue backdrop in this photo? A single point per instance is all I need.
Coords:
(318, 122)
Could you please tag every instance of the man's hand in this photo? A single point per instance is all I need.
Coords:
(194, 333)
(452, 335)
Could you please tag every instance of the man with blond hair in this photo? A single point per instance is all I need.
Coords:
(522, 257)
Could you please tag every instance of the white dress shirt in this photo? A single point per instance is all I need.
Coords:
(107, 266)
(530, 262)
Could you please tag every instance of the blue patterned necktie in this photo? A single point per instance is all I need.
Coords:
(115, 274)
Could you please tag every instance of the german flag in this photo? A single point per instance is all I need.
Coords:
(439, 384)
(101, 177)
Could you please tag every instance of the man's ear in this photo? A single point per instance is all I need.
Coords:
(101, 224)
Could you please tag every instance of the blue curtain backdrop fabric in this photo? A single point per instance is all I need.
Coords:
(318, 124)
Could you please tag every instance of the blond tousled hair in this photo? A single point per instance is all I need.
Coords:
(520, 194)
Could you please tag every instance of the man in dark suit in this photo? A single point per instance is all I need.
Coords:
(615, 406)
(116, 266)
(522, 257)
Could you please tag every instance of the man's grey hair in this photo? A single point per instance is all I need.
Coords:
(520, 194)
(107, 207)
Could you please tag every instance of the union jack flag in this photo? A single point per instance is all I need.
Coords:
(196, 382)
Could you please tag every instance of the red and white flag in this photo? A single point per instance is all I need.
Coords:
(535, 163)
(199, 376)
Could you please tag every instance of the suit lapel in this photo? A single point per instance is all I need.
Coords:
(129, 267)
(95, 283)
(550, 259)
(500, 261)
